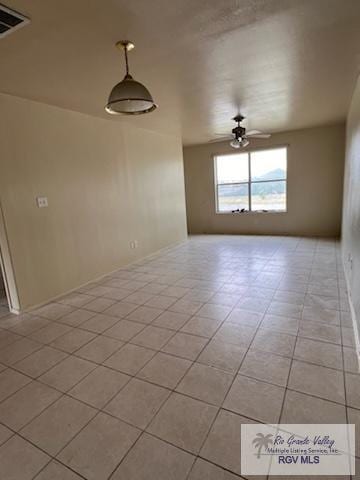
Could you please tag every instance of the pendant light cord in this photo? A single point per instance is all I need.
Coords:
(126, 62)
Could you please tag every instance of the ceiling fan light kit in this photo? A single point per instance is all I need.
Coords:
(239, 137)
(129, 97)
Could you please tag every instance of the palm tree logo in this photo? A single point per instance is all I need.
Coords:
(262, 441)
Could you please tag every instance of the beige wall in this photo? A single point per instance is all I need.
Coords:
(106, 183)
(315, 176)
(351, 211)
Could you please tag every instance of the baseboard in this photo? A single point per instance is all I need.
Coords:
(353, 317)
(97, 279)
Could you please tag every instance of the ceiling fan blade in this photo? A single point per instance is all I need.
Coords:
(221, 139)
(259, 135)
(252, 132)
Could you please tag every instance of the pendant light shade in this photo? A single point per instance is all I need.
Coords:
(129, 97)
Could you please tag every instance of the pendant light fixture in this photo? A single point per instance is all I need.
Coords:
(129, 97)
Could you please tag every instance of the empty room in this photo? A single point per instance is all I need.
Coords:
(179, 239)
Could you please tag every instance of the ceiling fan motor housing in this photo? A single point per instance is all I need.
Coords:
(238, 131)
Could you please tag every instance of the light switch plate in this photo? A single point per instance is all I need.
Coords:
(42, 202)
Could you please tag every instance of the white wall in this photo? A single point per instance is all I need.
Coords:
(314, 186)
(351, 210)
(106, 183)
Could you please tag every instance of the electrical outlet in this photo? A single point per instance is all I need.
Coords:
(42, 202)
(134, 244)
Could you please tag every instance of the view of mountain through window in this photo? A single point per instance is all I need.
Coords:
(253, 181)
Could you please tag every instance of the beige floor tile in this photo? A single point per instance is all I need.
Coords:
(204, 470)
(225, 299)
(58, 424)
(18, 350)
(76, 299)
(7, 338)
(254, 399)
(302, 408)
(206, 383)
(99, 304)
(30, 325)
(171, 320)
(274, 342)
(99, 323)
(316, 314)
(184, 422)
(196, 295)
(153, 337)
(129, 359)
(185, 345)
(139, 298)
(99, 349)
(254, 304)
(99, 386)
(151, 459)
(322, 302)
(352, 383)
(165, 370)
(321, 353)
(124, 330)
(120, 309)
(144, 314)
(316, 380)
(67, 373)
(99, 447)
(138, 402)
(53, 311)
(76, 317)
(20, 460)
(72, 341)
(223, 444)
(224, 356)
(347, 337)
(285, 296)
(351, 360)
(10, 382)
(205, 327)
(278, 323)
(153, 288)
(354, 418)
(56, 471)
(161, 301)
(244, 317)
(40, 361)
(19, 409)
(175, 291)
(216, 312)
(240, 335)
(266, 366)
(5, 434)
(49, 333)
(185, 306)
(320, 331)
(285, 309)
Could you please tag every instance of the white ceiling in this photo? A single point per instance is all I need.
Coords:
(284, 64)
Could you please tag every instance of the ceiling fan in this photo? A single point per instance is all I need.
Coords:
(239, 137)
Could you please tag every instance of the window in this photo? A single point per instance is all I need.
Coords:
(251, 181)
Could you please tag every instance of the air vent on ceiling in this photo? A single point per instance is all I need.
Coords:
(10, 21)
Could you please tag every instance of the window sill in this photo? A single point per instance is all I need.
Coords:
(252, 213)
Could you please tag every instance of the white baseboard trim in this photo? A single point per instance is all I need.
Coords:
(353, 318)
(97, 279)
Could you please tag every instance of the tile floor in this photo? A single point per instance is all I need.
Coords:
(150, 372)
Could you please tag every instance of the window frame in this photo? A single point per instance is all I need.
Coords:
(249, 182)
